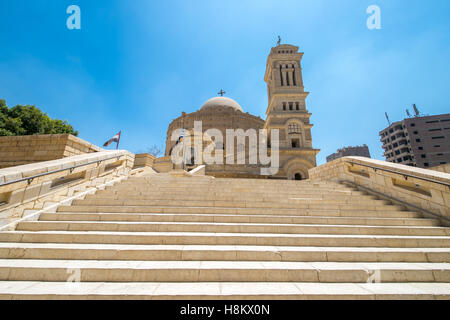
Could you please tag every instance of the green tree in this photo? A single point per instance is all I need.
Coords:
(29, 120)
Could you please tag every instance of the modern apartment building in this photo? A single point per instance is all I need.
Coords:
(422, 142)
(359, 151)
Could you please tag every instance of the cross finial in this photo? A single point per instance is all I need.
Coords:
(279, 40)
(221, 93)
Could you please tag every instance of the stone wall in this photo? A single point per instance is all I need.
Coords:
(422, 190)
(144, 160)
(444, 168)
(33, 187)
(20, 150)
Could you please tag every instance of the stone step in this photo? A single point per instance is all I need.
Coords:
(224, 197)
(34, 290)
(288, 204)
(235, 182)
(230, 228)
(227, 190)
(243, 211)
(246, 239)
(153, 217)
(221, 271)
(73, 251)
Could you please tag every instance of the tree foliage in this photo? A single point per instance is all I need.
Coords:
(29, 120)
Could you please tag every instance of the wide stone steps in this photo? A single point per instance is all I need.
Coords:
(269, 219)
(229, 228)
(300, 203)
(247, 191)
(204, 238)
(73, 251)
(161, 237)
(36, 290)
(220, 271)
(349, 210)
(221, 196)
(242, 212)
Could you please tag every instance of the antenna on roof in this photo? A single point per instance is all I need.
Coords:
(416, 110)
(387, 117)
(408, 114)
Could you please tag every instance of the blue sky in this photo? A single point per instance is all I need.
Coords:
(136, 65)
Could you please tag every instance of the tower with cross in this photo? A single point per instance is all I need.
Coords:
(221, 93)
(287, 109)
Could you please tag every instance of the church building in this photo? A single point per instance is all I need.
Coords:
(286, 112)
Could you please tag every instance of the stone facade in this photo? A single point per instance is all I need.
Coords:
(20, 150)
(286, 112)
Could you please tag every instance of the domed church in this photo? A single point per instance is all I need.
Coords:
(286, 112)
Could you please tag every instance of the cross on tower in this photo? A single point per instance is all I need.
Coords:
(221, 93)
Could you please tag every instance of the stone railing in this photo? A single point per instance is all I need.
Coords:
(421, 190)
(29, 189)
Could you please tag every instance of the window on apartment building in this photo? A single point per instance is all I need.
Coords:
(437, 138)
(443, 162)
(436, 121)
(434, 130)
(423, 156)
(416, 132)
(420, 148)
(418, 140)
(413, 124)
(426, 164)
(440, 154)
(445, 120)
(437, 146)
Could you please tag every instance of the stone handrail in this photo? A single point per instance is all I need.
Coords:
(30, 188)
(421, 190)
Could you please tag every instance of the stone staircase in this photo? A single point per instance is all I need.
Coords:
(164, 237)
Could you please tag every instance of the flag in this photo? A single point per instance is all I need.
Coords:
(116, 139)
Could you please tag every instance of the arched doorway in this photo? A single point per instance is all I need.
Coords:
(298, 176)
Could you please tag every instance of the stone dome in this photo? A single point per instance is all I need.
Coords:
(222, 102)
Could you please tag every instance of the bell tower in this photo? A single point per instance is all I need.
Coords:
(287, 111)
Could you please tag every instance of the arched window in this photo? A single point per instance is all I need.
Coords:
(294, 128)
(298, 176)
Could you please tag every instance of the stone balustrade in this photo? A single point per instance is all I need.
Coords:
(142, 160)
(33, 187)
(417, 189)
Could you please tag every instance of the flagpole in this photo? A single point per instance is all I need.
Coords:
(118, 141)
(182, 160)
